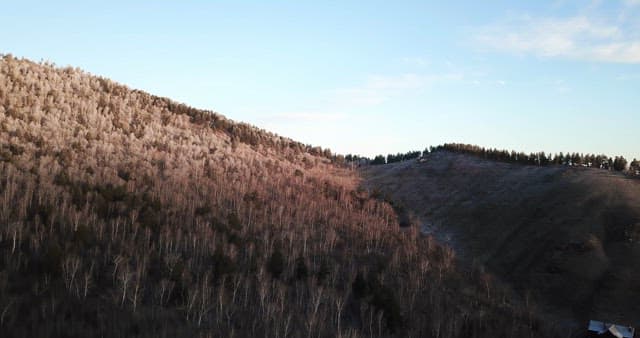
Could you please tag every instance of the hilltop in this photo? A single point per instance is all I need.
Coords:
(567, 236)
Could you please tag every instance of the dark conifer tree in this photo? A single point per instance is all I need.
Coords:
(380, 159)
(619, 163)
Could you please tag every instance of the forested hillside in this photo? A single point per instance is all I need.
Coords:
(617, 163)
(126, 214)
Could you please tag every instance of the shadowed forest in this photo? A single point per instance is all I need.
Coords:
(126, 214)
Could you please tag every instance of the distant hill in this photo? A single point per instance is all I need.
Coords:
(128, 214)
(568, 236)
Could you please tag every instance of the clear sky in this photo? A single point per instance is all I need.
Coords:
(367, 77)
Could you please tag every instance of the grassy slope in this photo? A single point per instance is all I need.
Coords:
(568, 235)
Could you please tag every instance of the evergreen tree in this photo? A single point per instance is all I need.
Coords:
(276, 262)
(360, 287)
(559, 159)
(301, 271)
(380, 159)
(619, 163)
(634, 167)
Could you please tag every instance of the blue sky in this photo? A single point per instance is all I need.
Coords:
(367, 77)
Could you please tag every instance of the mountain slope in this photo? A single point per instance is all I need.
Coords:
(569, 236)
(126, 214)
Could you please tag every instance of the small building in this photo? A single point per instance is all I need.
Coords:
(602, 329)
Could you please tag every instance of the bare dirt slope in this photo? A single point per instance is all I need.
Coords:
(569, 236)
